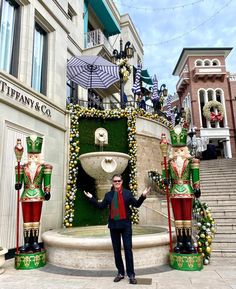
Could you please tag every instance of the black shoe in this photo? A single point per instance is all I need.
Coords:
(25, 248)
(132, 280)
(36, 247)
(118, 278)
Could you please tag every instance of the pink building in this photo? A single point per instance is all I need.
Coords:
(205, 83)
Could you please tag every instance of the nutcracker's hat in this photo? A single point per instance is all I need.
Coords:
(178, 136)
(34, 144)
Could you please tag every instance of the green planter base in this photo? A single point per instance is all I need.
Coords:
(28, 261)
(186, 262)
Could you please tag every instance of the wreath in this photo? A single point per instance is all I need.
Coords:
(125, 69)
(212, 115)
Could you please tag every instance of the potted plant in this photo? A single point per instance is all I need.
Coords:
(3, 251)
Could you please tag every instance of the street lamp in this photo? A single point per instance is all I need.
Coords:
(127, 52)
(158, 102)
(191, 134)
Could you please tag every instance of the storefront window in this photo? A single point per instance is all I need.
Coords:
(9, 36)
(39, 60)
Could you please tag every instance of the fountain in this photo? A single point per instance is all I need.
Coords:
(103, 165)
(89, 248)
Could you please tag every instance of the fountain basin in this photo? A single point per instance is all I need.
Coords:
(90, 248)
(102, 166)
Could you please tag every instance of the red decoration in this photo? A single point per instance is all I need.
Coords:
(216, 117)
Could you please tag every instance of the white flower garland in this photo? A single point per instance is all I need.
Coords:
(212, 116)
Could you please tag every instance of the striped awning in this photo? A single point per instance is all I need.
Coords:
(155, 88)
(92, 71)
(136, 89)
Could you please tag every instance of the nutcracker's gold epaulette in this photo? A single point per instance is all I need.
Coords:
(195, 163)
(47, 169)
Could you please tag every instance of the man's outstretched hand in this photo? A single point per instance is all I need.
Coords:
(146, 192)
(88, 195)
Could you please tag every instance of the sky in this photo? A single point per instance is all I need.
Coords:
(167, 26)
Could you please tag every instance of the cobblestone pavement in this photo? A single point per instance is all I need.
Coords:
(222, 276)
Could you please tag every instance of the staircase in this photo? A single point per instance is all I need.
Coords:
(218, 186)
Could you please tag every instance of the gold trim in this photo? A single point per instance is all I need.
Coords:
(179, 223)
(187, 223)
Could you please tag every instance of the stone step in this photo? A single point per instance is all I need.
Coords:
(217, 260)
(223, 213)
(226, 185)
(218, 162)
(213, 194)
(220, 203)
(225, 237)
(229, 254)
(222, 229)
(219, 197)
(225, 220)
(217, 190)
(217, 245)
(222, 207)
(227, 171)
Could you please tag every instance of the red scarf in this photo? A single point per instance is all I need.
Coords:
(118, 211)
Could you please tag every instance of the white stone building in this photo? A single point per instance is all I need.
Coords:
(36, 40)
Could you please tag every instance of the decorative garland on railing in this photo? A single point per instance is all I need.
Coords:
(76, 112)
(206, 229)
(210, 115)
(155, 177)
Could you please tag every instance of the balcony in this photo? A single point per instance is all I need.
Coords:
(183, 82)
(209, 73)
(95, 38)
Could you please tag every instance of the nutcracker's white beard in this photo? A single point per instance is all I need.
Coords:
(32, 168)
(179, 163)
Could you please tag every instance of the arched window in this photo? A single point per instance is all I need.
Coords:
(206, 96)
(207, 62)
(210, 94)
(198, 62)
(202, 94)
(215, 62)
(219, 97)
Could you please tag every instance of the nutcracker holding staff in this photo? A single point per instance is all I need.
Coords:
(183, 177)
(35, 176)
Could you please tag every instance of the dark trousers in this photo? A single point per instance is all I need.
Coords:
(126, 234)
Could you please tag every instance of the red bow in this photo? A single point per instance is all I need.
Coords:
(216, 117)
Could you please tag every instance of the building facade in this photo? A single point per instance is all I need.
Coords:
(36, 40)
(206, 88)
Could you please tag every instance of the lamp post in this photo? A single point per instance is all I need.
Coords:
(162, 92)
(191, 134)
(158, 102)
(127, 52)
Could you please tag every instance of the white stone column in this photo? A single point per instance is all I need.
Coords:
(227, 148)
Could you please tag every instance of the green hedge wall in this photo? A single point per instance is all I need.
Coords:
(85, 213)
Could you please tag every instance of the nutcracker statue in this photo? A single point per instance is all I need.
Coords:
(35, 176)
(181, 175)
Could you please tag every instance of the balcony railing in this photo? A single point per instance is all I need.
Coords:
(96, 37)
(101, 105)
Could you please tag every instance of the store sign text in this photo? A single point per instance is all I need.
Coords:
(25, 100)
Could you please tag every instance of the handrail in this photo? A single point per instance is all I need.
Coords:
(101, 105)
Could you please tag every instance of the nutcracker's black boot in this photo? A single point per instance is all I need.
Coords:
(188, 243)
(179, 246)
(35, 246)
(26, 247)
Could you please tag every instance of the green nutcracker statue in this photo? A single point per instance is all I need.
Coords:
(183, 177)
(35, 176)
